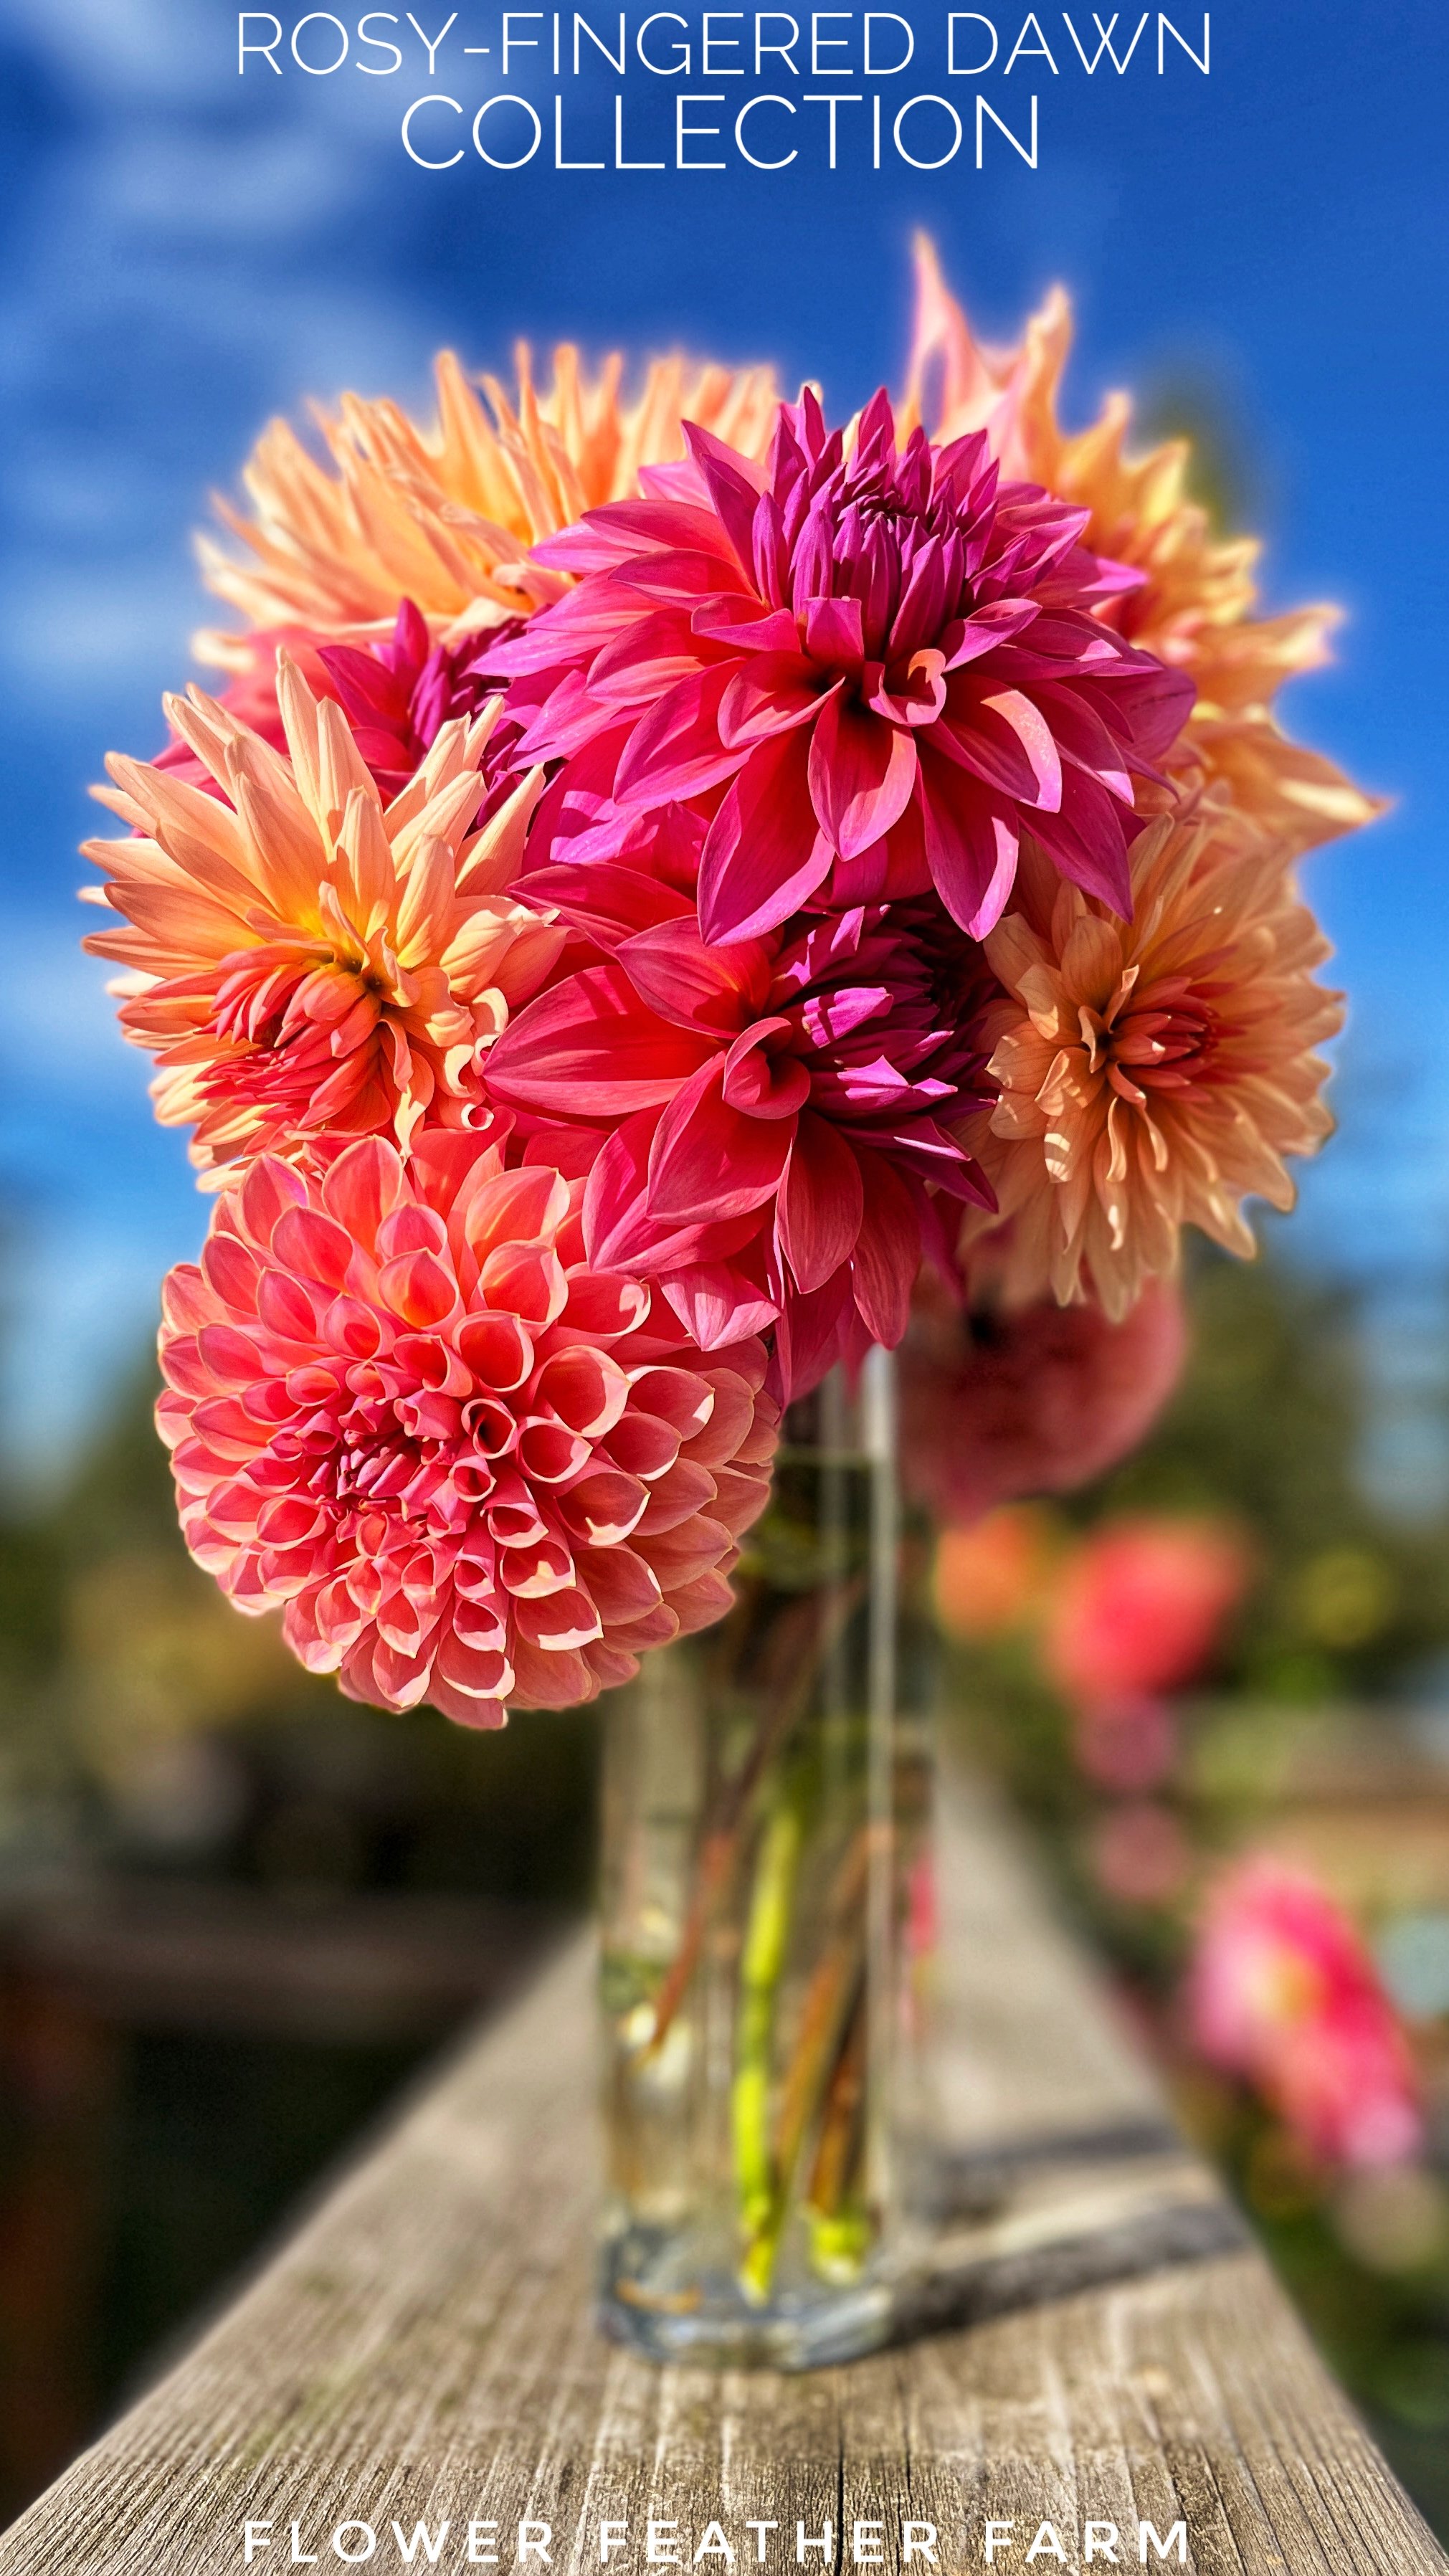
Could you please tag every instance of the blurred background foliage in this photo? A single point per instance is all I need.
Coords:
(235, 1911)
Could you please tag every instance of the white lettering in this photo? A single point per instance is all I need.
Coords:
(534, 2537)
(710, 70)
(1105, 45)
(422, 2539)
(926, 99)
(696, 133)
(963, 18)
(1176, 2539)
(832, 99)
(1046, 2541)
(1102, 2536)
(354, 2557)
(831, 44)
(480, 2534)
(430, 44)
(919, 2541)
(1165, 27)
(325, 18)
(998, 2534)
(256, 2535)
(786, 52)
(714, 2545)
(887, 18)
(765, 99)
(582, 28)
(1021, 46)
(682, 62)
(985, 109)
(865, 2543)
(379, 44)
(407, 133)
(269, 52)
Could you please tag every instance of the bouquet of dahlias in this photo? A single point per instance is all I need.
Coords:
(663, 886)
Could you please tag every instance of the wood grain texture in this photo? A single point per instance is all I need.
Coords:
(423, 2348)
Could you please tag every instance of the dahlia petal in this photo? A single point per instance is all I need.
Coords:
(1004, 740)
(862, 773)
(675, 750)
(821, 1203)
(887, 1253)
(418, 1288)
(588, 1048)
(765, 853)
(363, 1186)
(717, 1304)
(971, 845)
(681, 1495)
(771, 693)
(688, 984)
(706, 1159)
(834, 632)
(1088, 842)
(698, 1604)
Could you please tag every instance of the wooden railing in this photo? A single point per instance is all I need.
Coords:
(1100, 2372)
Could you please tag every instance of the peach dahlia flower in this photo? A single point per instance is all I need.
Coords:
(1154, 1073)
(446, 517)
(1194, 608)
(302, 955)
(469, 1467)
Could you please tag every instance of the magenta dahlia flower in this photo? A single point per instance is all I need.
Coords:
(397, 691)
(876, 670)
(1283, 1992)
(471, 1466)
(781, 1110)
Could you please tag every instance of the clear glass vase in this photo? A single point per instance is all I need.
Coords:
(766, 1904)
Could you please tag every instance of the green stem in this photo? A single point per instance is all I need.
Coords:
(762, 1963)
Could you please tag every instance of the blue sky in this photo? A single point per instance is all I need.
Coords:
(184, 252)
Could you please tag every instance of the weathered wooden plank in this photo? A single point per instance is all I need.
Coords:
(423, 2349)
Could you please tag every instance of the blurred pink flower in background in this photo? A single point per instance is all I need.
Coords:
(1033, 1402)
(1140, 1607)
(1140, 1854)
(1283, 1993)
(1125, 1744)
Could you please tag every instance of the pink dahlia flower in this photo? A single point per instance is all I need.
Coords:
(1033, 1401)
(876, 669)
(780, 1110)
(397, 690)
(1283, 1993)
(469, 1466)
(1140, 1607)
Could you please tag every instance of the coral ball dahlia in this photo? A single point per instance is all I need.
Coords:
(875, 667)
(303, 955)
(471, 1467)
